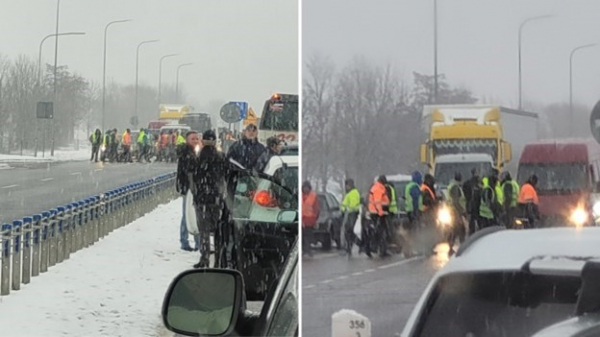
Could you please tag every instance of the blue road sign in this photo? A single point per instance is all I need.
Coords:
(243, 109)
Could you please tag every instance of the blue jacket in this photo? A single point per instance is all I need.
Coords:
(415, 192)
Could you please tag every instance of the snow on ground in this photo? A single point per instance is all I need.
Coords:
(62, 154)
(113, 288)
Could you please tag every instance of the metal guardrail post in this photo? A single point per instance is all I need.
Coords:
(37, 235)
(27, 228)
(75, 228)
(45, 242)
(95, 206)
(87, 222)
(72, 228)
(53, 237)
(103, 216)
(120, 208)
(60, 236)
(128, 204)
(5, 274)
(64, 219)
(16, 254)
(112, 211)
(82, 223)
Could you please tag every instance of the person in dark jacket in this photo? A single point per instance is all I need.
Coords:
(472, 189)
(96, 140)
(274, 147)
(209, 195)
(186, 165)
(247, 150)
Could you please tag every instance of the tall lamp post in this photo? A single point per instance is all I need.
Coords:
(571, 81)
(55, 66)
(160, 74)
(104, 69)
(435, 52)
(520, 41)
(42, 44)
(177, 80)
(137, 67)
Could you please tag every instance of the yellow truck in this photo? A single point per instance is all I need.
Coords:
(463, 137)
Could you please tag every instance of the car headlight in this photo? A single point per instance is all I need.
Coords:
(579, 217)
(444, 216)
(103, 148)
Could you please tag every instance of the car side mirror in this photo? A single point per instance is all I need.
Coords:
(287, 217)
(204, 302)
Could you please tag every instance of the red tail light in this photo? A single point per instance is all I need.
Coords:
(264, 199)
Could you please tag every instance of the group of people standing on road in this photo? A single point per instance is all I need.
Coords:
(209, 175)
(494, 200)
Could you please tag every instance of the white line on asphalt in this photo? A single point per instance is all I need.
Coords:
(47, 179)
(326, 281)
(75, 173)
(342, 277)
(399, 263)
(357, 274)
(309, 286)
(10, 186)
(369, 270)
(96, 170)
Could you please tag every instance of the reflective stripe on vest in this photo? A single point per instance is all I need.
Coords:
(393, 202)
(515, 192)
(462, 201)
(484, 209)
(499, 193)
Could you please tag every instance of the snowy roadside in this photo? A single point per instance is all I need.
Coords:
(60, 155)
(113, 288)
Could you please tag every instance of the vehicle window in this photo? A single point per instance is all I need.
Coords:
(285, 319)
(258, 199)
(323, 206)
(444, 172)
(287, 177)
(281, 116)
(498, 304)
(556, 177)
(332, 201)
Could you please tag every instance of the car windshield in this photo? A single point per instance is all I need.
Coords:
(282, 116)
(556, 177)
(498, 304)
(444, 172)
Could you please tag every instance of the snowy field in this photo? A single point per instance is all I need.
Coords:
(113, 288)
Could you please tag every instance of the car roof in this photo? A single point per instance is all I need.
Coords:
(511, 249)
(276, 162)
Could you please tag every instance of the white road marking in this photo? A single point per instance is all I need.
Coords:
(96, 170)
(399, 263)
(342, 277)
(309, 286)
(326, 281)
(10, 186)
(47, 179)
(357, 274)
(75, 173)
(369, 270)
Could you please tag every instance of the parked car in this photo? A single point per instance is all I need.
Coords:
(514, 283)
(262, 238)
(329, 223)
(211, 302)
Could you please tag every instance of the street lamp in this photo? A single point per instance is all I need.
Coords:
(41, 45)
(104, 69)
(55, 66)
(520, 39)
(137, 62)
(160, 74)
(571, 81)
(177, 80)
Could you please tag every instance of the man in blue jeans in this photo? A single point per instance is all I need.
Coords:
(186, 164)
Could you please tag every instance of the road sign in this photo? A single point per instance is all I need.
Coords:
(45, 110)
(243, 109)
(230, 113)
(595, 122)
(251, 118)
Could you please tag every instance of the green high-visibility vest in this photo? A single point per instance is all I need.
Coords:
(408, 203)
(515, 192)
(462, 201)
(484, 209)
(180, 140)
(140, 139)
(351, 201)
(499, 193)
(393, 202)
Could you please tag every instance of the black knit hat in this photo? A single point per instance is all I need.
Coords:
(209, 135)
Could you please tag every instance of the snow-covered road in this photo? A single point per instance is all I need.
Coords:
(113, 288)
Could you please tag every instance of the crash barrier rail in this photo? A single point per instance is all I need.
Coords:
(31, 245)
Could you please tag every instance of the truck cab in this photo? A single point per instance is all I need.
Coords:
(447, 165)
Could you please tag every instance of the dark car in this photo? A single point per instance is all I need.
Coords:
(265, 217)
(330, 220)
(211, 302)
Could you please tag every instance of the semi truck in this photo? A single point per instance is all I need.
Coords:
(463, 137)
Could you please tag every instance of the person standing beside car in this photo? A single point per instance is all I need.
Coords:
(96, 140)
(351, 209)
(186, 165)
(274, 147)
(209, 195)
(127, 146)
(310, 214)
(247, 150)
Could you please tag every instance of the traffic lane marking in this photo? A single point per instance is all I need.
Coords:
(9, 186)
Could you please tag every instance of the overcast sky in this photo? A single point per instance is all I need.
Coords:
(477, 42)
(241, 49)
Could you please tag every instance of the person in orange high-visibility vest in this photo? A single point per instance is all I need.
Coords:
(528, 199)
(310, 215)
(378, 203)
(126, 141)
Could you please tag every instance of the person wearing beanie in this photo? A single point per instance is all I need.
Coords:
(274, 147)
(209, 198)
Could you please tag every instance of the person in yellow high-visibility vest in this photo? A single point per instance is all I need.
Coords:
(350, 207)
